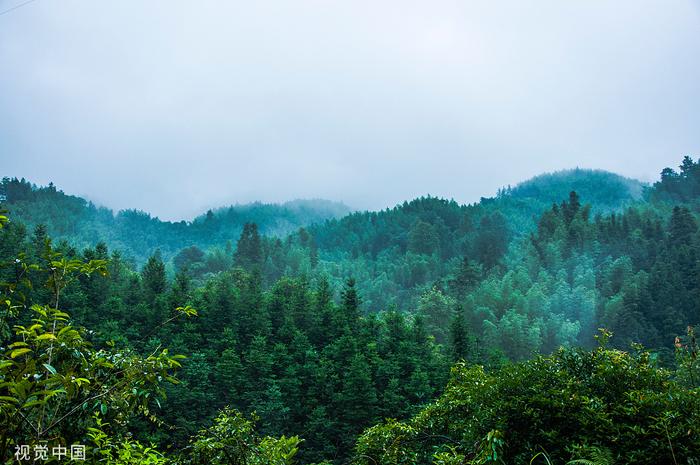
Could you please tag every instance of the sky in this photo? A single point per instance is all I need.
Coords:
(173, 107)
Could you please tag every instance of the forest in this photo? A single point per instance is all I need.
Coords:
(550, 324)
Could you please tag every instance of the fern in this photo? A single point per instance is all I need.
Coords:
(597, 457)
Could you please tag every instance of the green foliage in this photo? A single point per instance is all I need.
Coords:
(596, 456)
(51, 377)
(249, 249)
(57, 388)
(679, 186)
(303, 362)
(688, 358)
(607, 191)
(491, 242)
(575, 404)
(423, 239)
(339, 325)
(232, 440)
(490, 450)
(437, 311)
(137, 234)
(126, 451)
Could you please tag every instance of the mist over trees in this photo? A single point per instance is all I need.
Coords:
(138, 235)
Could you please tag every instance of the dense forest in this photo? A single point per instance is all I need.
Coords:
(137, 234)
(432, 332)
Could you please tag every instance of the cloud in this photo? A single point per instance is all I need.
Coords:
(175, 106)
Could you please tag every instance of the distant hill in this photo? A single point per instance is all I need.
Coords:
(398, 253)
(520, 206)
(600, 188)
(137, 234)
(405, 249)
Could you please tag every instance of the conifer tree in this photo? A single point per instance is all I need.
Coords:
(459, 338)
(248, 253)
(153, 277)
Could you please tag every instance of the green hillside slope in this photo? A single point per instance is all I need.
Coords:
(137, 234)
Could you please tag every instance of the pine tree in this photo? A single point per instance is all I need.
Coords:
(322, 333)
(437, 309)
(39, 241)
(229, 377)
(349, 312)
(358, 397)
(423, 239)
(248, 253)
(180, 292)
(492, 239)
(571, 208)
(682, 227)
(459, 338)
(153, 277)
(468, 276)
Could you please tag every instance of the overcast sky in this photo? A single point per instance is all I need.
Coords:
(176, 106)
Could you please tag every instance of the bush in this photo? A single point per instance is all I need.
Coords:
(570, 405)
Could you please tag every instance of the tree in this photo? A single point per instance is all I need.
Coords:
(39, 241)
(229, 375)
(492, 239)
(459, 337)
(248, 253)
(153, 276)
(323, 307)
(349, 312)
(422, 238)
(358, 398)
(73, 387)
(682, 227)
(641, 413)
(232, 440)
(571, 208)
(188, 258)
(272, 409)
(437, 310)
(467, 277)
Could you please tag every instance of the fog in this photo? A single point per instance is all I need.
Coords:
(176, 106)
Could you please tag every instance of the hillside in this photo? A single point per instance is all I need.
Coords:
(138, 235)
(604, 190)
(397, 254)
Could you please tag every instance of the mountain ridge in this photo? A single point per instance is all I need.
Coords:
(84, 223)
